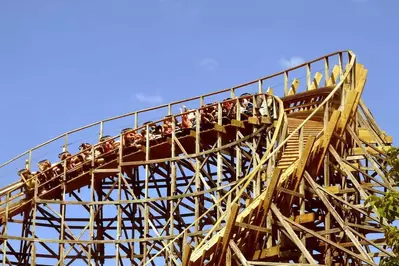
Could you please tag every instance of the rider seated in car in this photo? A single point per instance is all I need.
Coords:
(72, 160)
(208, 114)
(28, 178)
(228, 110)
(85, 150)
(246, 104)
(109, 144)
(128, 136)
(186, 123)
(44, 166)
(139, 139)
(167, 126)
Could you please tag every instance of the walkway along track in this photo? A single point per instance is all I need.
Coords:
(285, 186)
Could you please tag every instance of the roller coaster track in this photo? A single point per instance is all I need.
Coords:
(284, 182)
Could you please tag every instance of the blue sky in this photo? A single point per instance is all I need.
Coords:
(64, 64)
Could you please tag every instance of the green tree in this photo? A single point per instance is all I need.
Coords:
(388, 208)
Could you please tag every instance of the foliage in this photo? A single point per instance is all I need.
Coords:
(388, 208)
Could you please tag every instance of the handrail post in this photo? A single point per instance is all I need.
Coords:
(101, 130)
(136, 120)
(326, 70)
(308, 76)
(169, 109)
(65, 143)
(29, 165)
(260, 89)
(341, 67)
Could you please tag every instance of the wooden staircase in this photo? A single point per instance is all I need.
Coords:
(291, 150)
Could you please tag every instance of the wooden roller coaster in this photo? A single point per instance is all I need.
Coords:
(255, 177)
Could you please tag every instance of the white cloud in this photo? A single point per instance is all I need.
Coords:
(151, 99)
(209, 64)
(291, 62)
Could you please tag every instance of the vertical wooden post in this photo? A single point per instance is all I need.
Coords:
(285, 83)
(326, 70)
(219, 159)
(172, 187)
(119, 210)
(197, 174)
(101, 130)
(308, 77)
(62, 205)
(136, 120)
(33, 250)
(5, 232)
(147, 176)
(91, 207)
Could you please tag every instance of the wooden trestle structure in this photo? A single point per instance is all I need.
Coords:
(285, 186)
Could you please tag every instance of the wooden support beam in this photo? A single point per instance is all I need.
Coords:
(294, 87)
(316, 81)
(253, 227)
(303, 160)
(238, 253)
(220, 128)
(369, 138)
(292, 234)
(266, 253)
(337, 217)
(253, 120)
(304, 218)
(332, 123)
(266, 120)
(334, 76)
(228, 232)
(186, 254)
(237, 123)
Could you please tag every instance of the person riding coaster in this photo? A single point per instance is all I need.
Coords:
(128, 136)
(132, 138)
(154, 132)
(209, 113)
(167, 126)
(85, 150)
(109, 144)
(188, 119)
(246, 105)
(28, 178)
(45, 173)
(228, 110)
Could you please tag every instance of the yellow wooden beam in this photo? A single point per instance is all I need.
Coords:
(220, 128)
(266, 253)
(237, 123)
(369, 138)
(371, 151)
(316, 81)
(334, 76)
(294, 87)
(304, 218)
(266, 120)
(331, 125)
(228, 233)
(253, 120)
